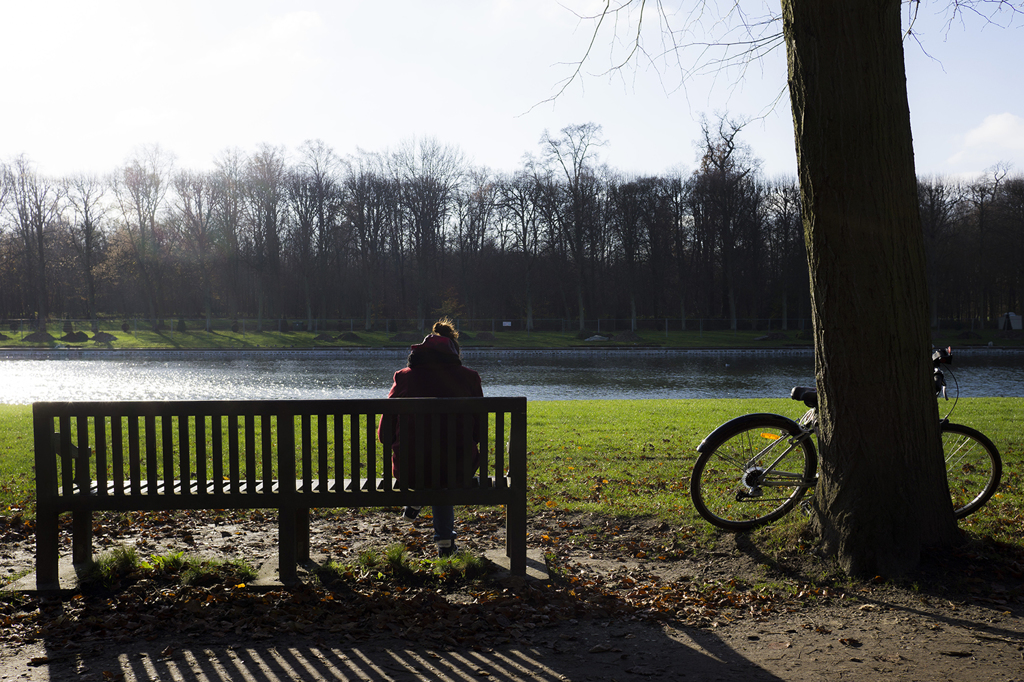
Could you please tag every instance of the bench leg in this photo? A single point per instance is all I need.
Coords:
(515, 536)
(81, 537)
(286, 546)
(302, 535)
(47, 574)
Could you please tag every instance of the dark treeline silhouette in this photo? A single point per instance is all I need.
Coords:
(414, 232)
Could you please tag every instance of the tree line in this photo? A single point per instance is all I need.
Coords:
(416, 232)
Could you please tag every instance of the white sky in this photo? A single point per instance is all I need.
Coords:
(86, 83)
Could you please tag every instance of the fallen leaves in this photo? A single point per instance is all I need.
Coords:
(470, 613)
(366, 604)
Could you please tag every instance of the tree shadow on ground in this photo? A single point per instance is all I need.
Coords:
(975, 585)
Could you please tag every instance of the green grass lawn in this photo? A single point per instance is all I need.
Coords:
(251, 340)
(624, 457)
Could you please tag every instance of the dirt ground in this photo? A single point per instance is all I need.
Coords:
(624, 600)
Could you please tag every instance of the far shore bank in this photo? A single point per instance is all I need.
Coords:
(111, 342)
(65, 353)
(401, 351)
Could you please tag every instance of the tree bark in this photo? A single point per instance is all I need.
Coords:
(882, 496)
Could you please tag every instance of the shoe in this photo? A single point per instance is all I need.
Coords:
(409, 513)
(446, 548)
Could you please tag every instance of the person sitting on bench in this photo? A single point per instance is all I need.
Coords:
(435, 370)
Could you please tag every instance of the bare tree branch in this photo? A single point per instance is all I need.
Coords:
(698, 41)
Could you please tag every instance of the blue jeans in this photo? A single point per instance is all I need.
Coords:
(444, 522)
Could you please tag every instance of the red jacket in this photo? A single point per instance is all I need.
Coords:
(435, 371)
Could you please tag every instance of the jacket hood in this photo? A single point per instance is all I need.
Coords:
(436, 343)
(435, 351)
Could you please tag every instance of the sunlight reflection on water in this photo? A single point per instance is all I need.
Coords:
(539, 375)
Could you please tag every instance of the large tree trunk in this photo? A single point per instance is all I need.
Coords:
(882, 495)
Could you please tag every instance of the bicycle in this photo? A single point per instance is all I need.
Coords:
(754, 469)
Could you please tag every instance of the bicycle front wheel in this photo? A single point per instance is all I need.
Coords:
(752, 470)
(973, 467)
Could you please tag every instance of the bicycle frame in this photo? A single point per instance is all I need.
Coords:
(781, 478)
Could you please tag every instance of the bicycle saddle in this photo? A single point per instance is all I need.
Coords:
(809, 396)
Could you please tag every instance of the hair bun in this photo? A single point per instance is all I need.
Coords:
(445, 327)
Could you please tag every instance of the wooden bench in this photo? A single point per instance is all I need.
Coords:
(276, 454)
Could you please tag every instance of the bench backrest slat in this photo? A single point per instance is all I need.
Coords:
(217, 454)
(66, 470)
(81, 474)
(354, 458)
(184, 453)
(134, 462)
(116, 448)
(202, 455)
(499, 448)
(387, 441)
(267, 425)
(234, 467)
(152, 469)
(469, 423)
(167, 450)
(100, 451)
(325, 465)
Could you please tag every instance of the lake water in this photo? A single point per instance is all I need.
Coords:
(538, 375)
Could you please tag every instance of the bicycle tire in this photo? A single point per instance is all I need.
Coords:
(728, 483)
(973, 467)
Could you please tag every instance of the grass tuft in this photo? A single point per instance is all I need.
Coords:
(394, 563)
(117, 564)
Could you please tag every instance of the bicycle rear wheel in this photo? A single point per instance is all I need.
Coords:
(751, 471)
(973, 467)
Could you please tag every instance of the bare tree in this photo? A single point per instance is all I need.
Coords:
(629, 202)
(87, 199)
(198, 196)
(428, 174)
(786, 246)
(231, 168)
(723, 202)
(519, 203)
(8, 275)
(140, 188)
(6, 184)
(642, 219)
(315, 200)
(983, 195)
(685, 246)
(265, 209)
(573, 154)
(1013, 208)
(370, 206)
(938, 199)
(35, 205)
(474, 207)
